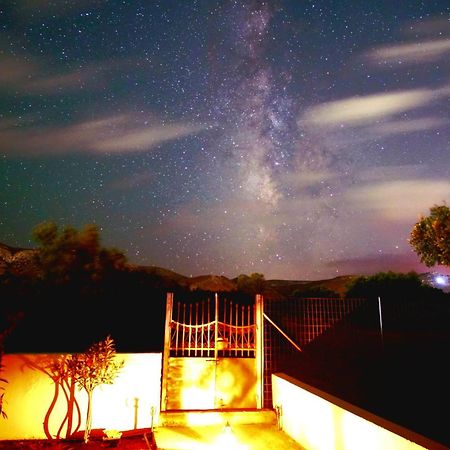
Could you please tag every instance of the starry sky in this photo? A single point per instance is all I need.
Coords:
(299, 139)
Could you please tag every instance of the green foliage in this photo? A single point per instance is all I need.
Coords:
(315, 292)
(97, 366)
(386, 284)
(430, 237)
(69, 255)
(253, 284)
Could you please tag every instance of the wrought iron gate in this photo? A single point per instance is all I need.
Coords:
(212, 354)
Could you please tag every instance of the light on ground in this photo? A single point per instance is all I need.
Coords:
(227, 440)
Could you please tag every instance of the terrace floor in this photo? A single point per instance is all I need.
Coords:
(234, 429)
(238, 437)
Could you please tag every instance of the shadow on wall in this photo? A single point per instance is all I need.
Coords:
(43, 405)
(56, 368)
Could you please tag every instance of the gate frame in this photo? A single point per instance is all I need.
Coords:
(259, 350)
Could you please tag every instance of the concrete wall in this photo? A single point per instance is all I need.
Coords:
(319, 421)
(124, 405)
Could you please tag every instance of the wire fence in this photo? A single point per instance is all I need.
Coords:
(303, 321)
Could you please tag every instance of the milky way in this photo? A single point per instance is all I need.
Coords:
(301, 140)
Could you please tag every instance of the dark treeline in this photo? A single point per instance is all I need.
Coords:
(67, 317)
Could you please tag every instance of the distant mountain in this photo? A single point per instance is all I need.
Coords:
(286, 288)
(22, 261)
(213, 283)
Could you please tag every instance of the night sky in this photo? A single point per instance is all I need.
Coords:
(299, 139)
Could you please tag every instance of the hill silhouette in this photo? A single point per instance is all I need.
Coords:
(22, 262)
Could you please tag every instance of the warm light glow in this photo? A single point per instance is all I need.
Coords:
(320, 424)
(198, 398)
(203, 383)
(126, 404)
(317, 430)
(227, 440)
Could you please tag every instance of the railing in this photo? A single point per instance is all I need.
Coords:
(210, 329)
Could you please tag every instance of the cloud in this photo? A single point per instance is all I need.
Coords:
(304, 179)
(411, 53)
(381, 262)
(378, 174)
(114, 134)
(375, 131)
(400, 200)
(143, 137)
(55, 84)
(26, 76)
(15, 71)
(365, 109)
(405, 126)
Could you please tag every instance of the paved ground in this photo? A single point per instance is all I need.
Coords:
(240, 437)
(212, 437)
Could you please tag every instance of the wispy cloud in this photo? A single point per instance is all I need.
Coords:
(400, 200)
(15, 71)
(406, 126)
(360, 110)
(368, 265)
(386, 129)
(25, 76)
(377, 174)
(113, 134)
(411, 53)
(300, 180)
(143, 137)
(64, 82)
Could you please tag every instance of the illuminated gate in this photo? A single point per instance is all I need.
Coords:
(212, 355)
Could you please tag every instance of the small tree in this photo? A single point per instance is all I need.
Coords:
(91, 369)
(430, 237)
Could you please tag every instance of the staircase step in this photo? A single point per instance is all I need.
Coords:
(217, 417)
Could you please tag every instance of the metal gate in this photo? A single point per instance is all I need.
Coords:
(212, 354)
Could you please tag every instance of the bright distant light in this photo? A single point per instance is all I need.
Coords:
(441, 280)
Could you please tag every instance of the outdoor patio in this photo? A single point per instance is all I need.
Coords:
(238, 437)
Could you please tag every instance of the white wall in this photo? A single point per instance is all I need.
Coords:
(29, 393)
(318, 421)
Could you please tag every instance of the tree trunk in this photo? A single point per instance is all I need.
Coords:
(50, 409)
(70, 403)
(87, 430)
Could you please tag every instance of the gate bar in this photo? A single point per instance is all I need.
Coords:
(167, 338)
(282, 332)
